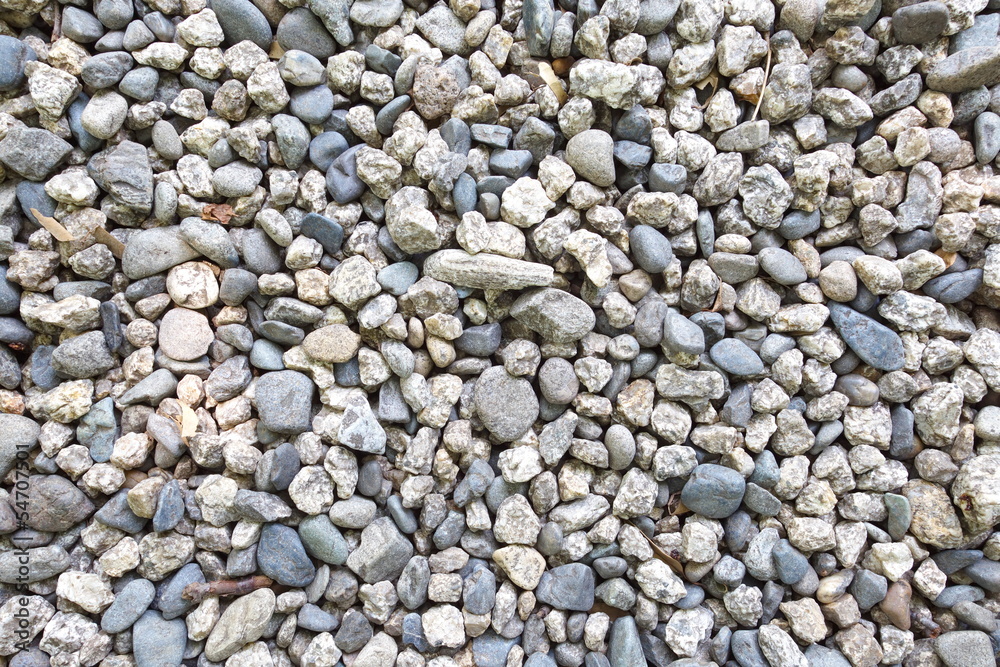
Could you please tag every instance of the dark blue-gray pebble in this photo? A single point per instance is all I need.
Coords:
(117, 514)
(387, 115)
(169, 507)
(480, 341)
(157, 641)
(713, 491)
(735, 357)
(953, 287)
(170, 600)
(667, 178)
(130, 603)
(281, 556)
(650, 248)
(312, 105)
(876, 344)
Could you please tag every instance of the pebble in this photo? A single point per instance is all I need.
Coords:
(965, 648)
(241, 20)
(13, 55)
(131, 602)
(156, 641)
(874, 343)
(651, 248)
(506, 405)
(713, 491)
(281, 556)
(735, 357)
(921, 23)
(590, 153)
(284, 401)
(550, 283)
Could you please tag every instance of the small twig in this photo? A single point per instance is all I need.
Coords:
(767, 70)
(199, 590)
(56, 22)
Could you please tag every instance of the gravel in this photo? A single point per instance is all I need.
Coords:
(499, 334)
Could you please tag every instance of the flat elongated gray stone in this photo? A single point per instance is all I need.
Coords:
(486, 271)
(876, 344)
(152, 251)
(965, 70)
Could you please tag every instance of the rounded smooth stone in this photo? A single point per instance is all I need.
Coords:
(328, 232)
(465, 194)
(81, 26)
(591, 154)
(713, 491)
(300, 68)
(799, 224)
(114, 14)
(342, 180)
(919, 23)
(876, 344)
(369, 478)
(157, 642)
(667, 178)
(104, 114)
(953, 287)
(302, 30)
(735, 357)
(238, 179)
(507, 405)
(236, 285)
(480, 341)
(868, 588)
(791, 565)
(987, 133)
(312, 105)
(859, 390)
(651, 250)
(397, 278)
(267, 355)
(10, 294)
(13, 55)
(620, 444)
(325, 148)
(241, 21)
(782, 265)
(322, 540)
(512, 163)
(185, 335)
(140, 83)
(387, 115)
(32, 195)
(557, 381)
(130, 603)
(106, 69)
(171, 602)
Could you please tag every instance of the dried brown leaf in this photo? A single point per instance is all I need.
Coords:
(221, 213)
(189, 422)
(114, 245)
(53, 226)
(659, 552)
